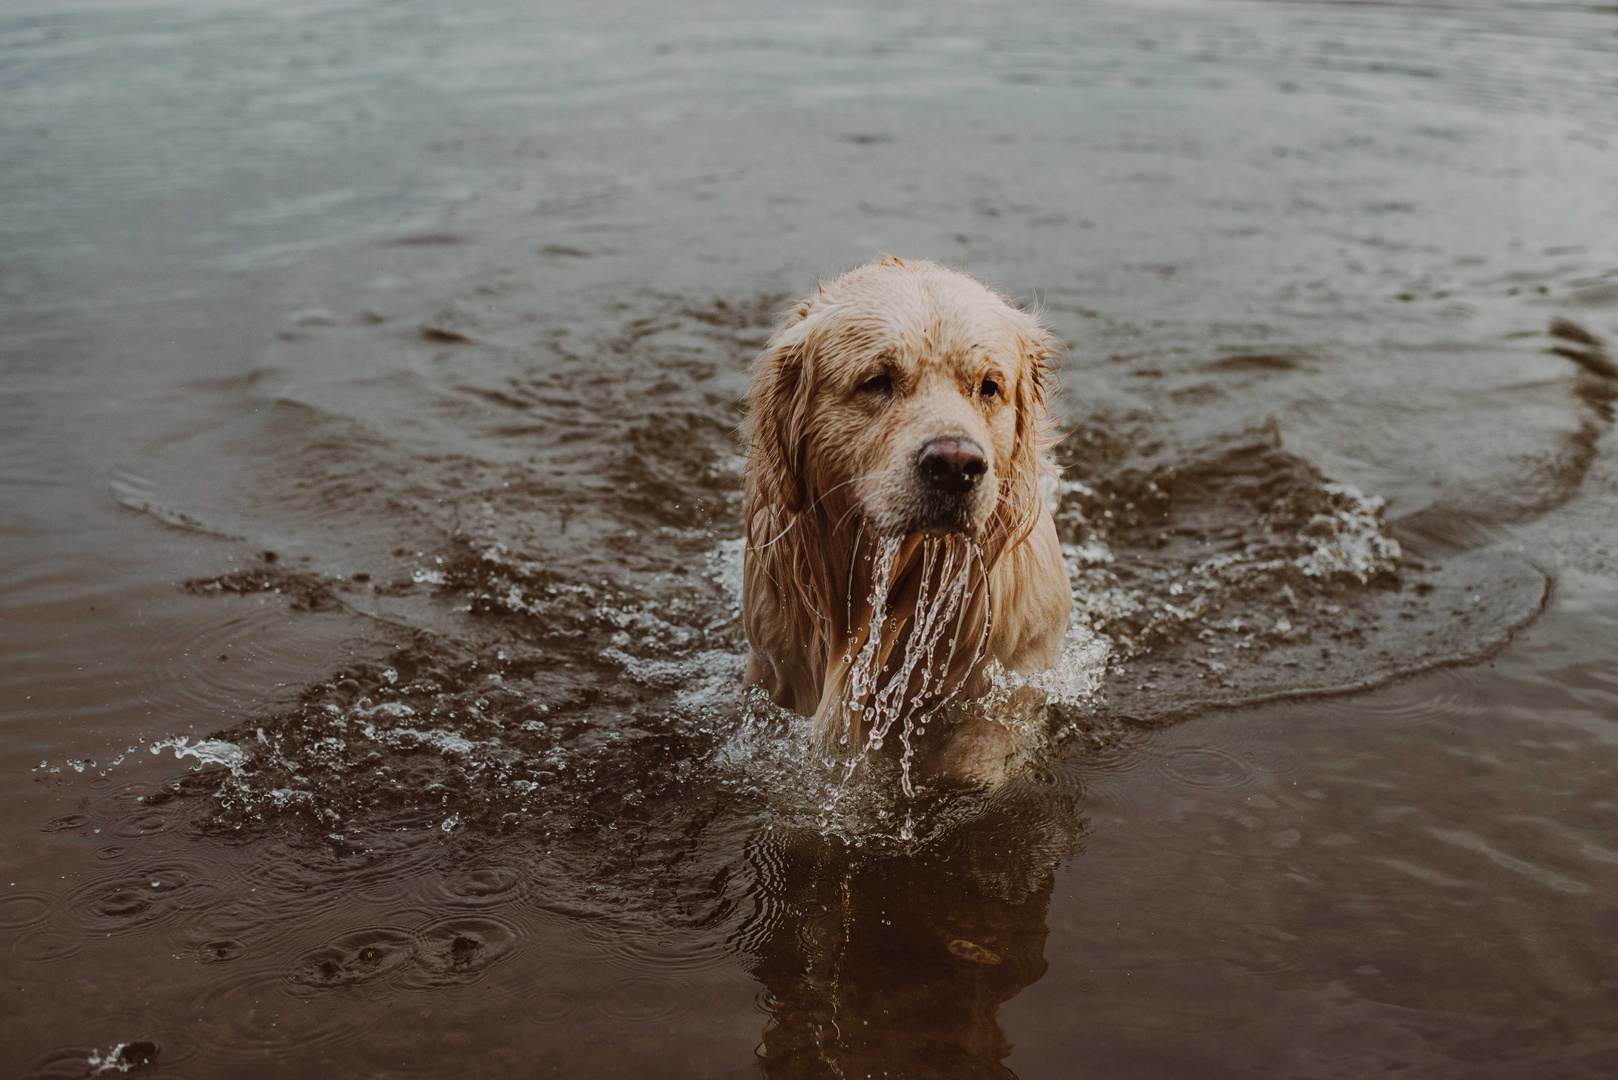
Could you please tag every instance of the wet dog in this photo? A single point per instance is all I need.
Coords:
(899, 554)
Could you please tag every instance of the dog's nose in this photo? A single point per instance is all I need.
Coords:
(952, 465)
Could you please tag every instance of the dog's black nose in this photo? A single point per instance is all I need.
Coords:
(953, 466)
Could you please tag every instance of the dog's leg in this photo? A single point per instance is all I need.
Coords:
(830, 731)
(989, 747)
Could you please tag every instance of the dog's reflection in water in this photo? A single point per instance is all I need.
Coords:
(896, 963)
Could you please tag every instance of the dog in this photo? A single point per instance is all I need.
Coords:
(899, 555)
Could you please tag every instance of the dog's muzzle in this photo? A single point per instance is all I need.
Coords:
(948, 476)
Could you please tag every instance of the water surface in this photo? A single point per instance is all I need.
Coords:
(370, 648)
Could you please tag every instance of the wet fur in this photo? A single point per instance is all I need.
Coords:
(828, 474)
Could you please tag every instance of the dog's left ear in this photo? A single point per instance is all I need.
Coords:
(1040, 349)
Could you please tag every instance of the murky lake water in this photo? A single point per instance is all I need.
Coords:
(369, 633)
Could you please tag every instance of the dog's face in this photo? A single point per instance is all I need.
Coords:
(903, 393)
(918, 420)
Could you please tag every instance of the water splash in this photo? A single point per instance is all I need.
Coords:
(562, 704)
(882, 690)
(122, 1057)
(1348, 537)
(1074, 680)
(206, 751)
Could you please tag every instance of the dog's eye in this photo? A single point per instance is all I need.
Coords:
(877, 384)
(989, 388)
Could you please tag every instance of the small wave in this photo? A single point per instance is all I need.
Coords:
(603, 718)
(136, 492)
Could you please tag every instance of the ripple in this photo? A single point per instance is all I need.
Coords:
(23, 909)
(66, 823)
(484, 886)
(43, 946)
(144, 823)
(644, 999)
(357, 957)
(62, 1063)
(458, 950)
(120, 1040)
(111, 852)
(385, 869)
(1271, 758)
(228, 931)
(638, 947)
(128, 800)
(1204, 767)
(250, 1013)
(1438, 697)
(385, 885)
(221, 951)
(133, 900)
(224, 648)
(552, 1006)
(1100, 776)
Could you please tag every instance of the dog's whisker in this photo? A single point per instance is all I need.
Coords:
(772, 542)
(823, 496)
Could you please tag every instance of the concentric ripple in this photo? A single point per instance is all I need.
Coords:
(159, 893)
(1204, 767)
(45, 946)
(368, 955)
(644, 999)
(19, 909)
(251, 1012)
(459, 950)
(483, 886)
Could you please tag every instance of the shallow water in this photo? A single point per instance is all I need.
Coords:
(369, 642)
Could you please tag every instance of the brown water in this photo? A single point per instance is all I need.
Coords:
(369, 639)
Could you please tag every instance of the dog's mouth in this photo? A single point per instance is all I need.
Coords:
(954, 522)
(925, 514)
(926, 522)
(931, 512)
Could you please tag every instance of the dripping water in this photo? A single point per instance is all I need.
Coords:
(910, 690)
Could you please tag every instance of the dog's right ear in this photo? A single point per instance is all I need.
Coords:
(798, 312)
(777, 407)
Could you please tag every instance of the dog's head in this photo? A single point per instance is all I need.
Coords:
(908, 395)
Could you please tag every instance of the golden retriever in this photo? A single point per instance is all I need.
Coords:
(898, 551)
